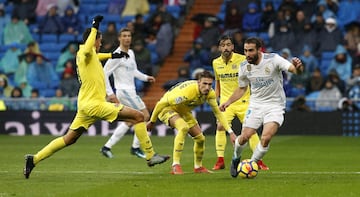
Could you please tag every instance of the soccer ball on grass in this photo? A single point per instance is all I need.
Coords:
(248, 169)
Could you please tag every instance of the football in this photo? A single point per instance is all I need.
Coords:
(248, 169)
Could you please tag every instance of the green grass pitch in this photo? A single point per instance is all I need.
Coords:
(299, 166)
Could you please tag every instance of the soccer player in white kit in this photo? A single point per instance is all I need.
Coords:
(124, 72)
(263, 71)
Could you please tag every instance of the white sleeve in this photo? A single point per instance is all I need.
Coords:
(281, 62)
(109, 68)
(243, 80)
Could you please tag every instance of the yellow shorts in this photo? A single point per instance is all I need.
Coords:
(168, 112)
(235, 110)
(88, 114)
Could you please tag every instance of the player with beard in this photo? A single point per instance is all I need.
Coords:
(226, 69)
(262, 72)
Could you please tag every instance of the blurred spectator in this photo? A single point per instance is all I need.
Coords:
(42, 76)
(154, 24)
(298, 84)
(116, 6)
(330, 35)
(143, 57)
(289, 6)
(136, 7)
(233, 20)
(4, 20)
(197, 57)
(284, 38)
(298, 23)
(35, 102)
(183, 75)
(354, 93)
(328, 98)
(210, 33)
(355, 77)
(71, 21)
(352, 38)
(334, 77)
(306, 37)
(51, 23)
(9, 63)
(59, 102)
(309, 7)
(316, 81)
(309, 61)
(32, 47)
(268, 16)
(239, 41)
(323, 10)
(17, 31)
(65, 4)
(164, 40)
(252, 19)
(342, 63)
(69, 84)
(69, 53)
(17, 103)
(299, 104)
(139, 28)
(109, 40)
(348, 105)
(25, 88)
(5, 87)
(25, 9)
(42, 6)
(164, 14)
(21, 73)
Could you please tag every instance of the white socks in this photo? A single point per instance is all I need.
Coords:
(238, 148)
(117, 135)
(259, 152)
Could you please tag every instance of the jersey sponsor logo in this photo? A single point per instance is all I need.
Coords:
(261, 82)
(229, 75)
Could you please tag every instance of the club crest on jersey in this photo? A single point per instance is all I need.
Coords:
(178, 100)
(248, 67)
(267, 70)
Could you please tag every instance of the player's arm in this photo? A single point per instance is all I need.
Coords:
(220, 117)
(109, 68)
(217, 88)
(160, 105)
(296, 67)
(237, 94)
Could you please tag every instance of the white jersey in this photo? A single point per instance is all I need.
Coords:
(124, 72)
(265, 79)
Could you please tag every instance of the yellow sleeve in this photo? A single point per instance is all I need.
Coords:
(219, 116)
(104, 56)
(160, 105)
(90, 41)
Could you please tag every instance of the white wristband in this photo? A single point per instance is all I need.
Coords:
(230, 131)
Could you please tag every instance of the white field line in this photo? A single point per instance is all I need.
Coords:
(137, 172)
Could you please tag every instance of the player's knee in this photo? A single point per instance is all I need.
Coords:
(139, 117)
(199, 138)
(265, 140)
(219, 127)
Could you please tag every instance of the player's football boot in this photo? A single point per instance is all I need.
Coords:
(137, 152)
(262, 165)
(201, 170)
(29, 165)
(219, 165)
(233, 167)
(157, 159)
(176, 169)
(106, 152)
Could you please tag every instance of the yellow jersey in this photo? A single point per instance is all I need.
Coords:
(184, 97)
(227, 75)
(90, 71)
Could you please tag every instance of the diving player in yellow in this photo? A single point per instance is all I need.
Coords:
(92, 104)
(174, 109)
(226, 68)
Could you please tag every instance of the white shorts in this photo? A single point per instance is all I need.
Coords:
(130, 98)
(257, 116)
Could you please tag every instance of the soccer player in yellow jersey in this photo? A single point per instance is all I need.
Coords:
(174, 109)
(92, 104)
(226, 68)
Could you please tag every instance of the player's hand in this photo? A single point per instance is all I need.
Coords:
(149, 126)
(151, 79)
(296, 62)
(223, 106)
(113, 99)
(232, 137)
(96, 21)
(120, 55)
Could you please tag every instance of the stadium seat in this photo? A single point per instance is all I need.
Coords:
(126, 19)
(48, 38)
(173, 10)
(50, 47)
(65, 38)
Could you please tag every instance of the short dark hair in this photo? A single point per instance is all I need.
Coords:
(125, 29)
(87, 33)
(254, 40)
(225, 37)
(206, 74)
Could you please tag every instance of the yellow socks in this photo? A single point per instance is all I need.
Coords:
(182, 128)
(253, 141)
(50, 149)
(199, 148)
(220, 143)
(145, 142)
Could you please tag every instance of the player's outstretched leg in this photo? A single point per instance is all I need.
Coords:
(106, 152)
(157, 159)
(29, 165)
(233, 167)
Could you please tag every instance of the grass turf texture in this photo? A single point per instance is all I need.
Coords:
(299, 166)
